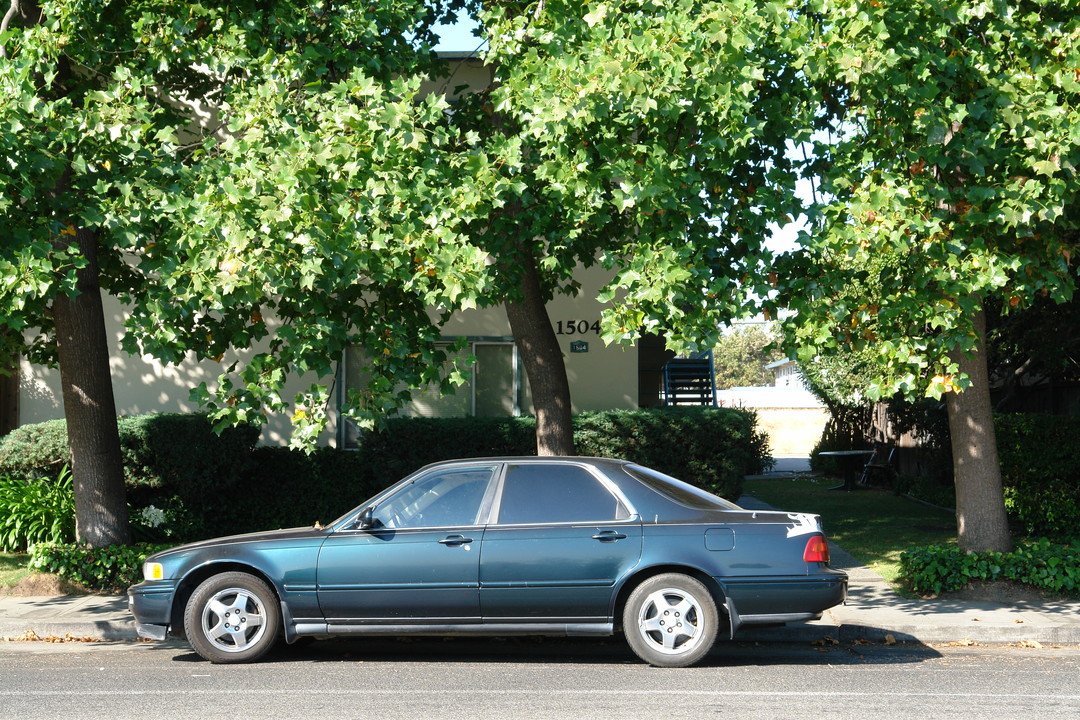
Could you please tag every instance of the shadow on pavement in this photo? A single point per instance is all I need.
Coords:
(584, 651)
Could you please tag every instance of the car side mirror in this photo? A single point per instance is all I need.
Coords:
(365, 520)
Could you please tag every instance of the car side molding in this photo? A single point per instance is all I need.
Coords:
(324, 630)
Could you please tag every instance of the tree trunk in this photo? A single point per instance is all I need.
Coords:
(101, 517)
(980, 507)
(544, 366)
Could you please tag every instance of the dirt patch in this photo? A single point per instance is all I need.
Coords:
(42, 585)
(1004, 592)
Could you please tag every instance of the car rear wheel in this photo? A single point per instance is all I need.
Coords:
(670, 620)
(232, 618)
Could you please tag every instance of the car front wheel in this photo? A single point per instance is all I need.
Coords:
(232, 617)
(670, 620)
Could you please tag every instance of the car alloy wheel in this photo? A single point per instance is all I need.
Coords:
(670, 620)
(231, 618)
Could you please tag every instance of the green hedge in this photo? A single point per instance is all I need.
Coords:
(186, 483)
(1041, 564)
(1040, 472)
(711, 447)
(173, 463)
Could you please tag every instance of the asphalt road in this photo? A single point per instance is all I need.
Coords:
(529, 678)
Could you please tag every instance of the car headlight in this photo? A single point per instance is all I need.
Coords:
(153, 571)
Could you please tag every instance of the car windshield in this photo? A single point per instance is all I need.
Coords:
(679, 491)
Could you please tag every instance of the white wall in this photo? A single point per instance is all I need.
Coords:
(141, 384)
(604, 378)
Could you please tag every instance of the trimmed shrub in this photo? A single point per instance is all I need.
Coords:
(288, 488)
(1040, 471)
(174, 450)
(713, 448)
(34, 450)
(186, 483)
(182, 452)
(710, 447)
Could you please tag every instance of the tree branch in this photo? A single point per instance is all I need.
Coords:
(12, 9)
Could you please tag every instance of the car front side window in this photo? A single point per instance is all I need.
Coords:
(448, 498)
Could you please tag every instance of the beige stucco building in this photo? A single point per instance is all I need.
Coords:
(601, 377)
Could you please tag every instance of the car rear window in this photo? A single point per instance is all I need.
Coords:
(681, 492)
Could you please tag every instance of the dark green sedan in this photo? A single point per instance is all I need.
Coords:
(502, 546)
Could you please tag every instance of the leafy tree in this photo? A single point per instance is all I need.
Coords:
(646, 136)
(108, 145)
(951, 162)
(268, 177)
(741, 356)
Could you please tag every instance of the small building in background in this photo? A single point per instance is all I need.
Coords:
(792, 416)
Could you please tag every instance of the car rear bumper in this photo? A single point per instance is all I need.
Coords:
(779, 600)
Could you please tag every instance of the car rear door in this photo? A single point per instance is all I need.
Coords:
(561, 538)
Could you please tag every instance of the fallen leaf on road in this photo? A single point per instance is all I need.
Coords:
(1018, 620)
(957, 643)
(1030, 644)
(31, 636)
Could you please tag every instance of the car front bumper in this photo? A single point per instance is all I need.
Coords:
(151, 603)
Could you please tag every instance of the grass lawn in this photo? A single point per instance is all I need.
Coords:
(874, 526)
(13, 568)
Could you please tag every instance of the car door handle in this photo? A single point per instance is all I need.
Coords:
(608, 536)
(455, 540)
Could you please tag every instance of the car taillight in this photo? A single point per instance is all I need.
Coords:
(817, 550)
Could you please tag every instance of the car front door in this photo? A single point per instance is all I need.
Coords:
(562, 539)
(418, 560)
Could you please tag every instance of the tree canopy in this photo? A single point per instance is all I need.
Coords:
(274, 178)
(948, 150)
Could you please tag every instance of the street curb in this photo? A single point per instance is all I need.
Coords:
(16, 630)
(822, 631)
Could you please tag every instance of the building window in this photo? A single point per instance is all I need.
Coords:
(494, 387)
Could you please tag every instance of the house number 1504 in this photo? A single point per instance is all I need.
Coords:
(577, 327)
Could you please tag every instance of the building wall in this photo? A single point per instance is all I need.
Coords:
(792, 417)
(601, 379)
(141, 385)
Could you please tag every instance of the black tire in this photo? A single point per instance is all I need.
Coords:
(232, 618)
(670, 620)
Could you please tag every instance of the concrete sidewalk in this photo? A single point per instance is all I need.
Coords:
(873, 612)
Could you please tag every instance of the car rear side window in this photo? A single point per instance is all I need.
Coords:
(537, 493)
(679, 491)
